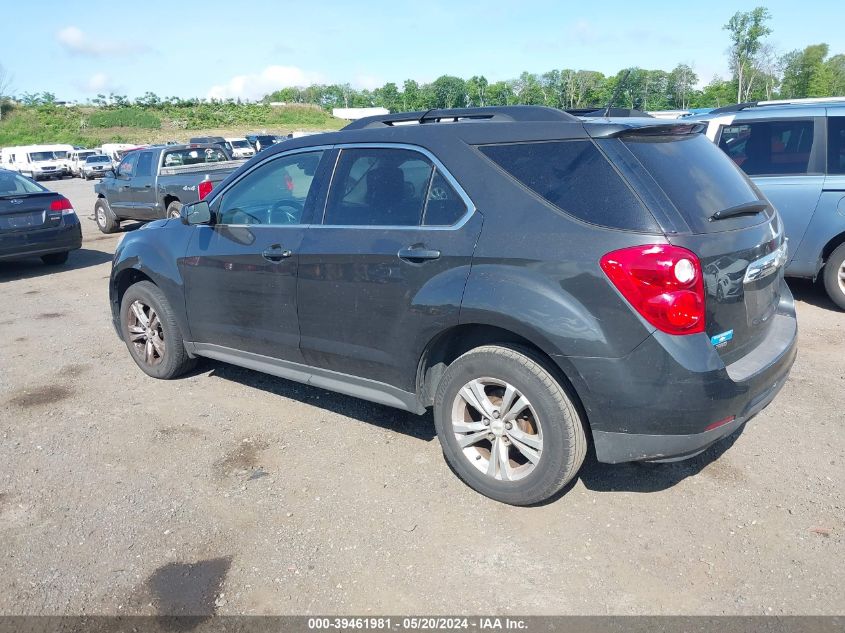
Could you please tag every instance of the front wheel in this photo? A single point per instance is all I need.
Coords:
(151, 333)
(834, 276)
(104, 216)
(507, 426)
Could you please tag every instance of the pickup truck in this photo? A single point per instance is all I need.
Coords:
(154, 182)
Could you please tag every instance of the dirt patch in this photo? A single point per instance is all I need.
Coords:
(50, 315)
(180, 430)
(48, 394)
(74, 369)
(20, 339)
(33, 292)
(188, 589)
(246, 458)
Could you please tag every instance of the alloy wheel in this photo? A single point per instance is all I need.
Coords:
(497, 429)
(145, 333)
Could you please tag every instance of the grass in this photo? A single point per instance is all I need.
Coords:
(89, 126)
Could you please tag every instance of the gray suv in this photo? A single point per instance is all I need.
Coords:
(795, 153)
(542, 283)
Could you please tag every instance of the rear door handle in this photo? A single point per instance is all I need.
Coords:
(275, 253)
(418, 254)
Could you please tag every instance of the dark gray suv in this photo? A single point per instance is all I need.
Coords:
(540, 281)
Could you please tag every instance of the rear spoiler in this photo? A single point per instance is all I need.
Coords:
(620, 129)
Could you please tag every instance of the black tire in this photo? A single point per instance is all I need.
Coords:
(104, 216)
(834, 276)
(564, 442)
(173, 209)
(55, 259)
(174, 361)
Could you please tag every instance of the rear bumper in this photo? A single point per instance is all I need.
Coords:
(666, 398)
(20, 244)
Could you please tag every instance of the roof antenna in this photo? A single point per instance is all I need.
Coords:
(619, 86)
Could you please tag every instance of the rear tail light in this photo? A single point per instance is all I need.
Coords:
(63, 205)
(205, 188)
(662, 282)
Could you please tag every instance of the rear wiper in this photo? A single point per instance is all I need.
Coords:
(746, 208)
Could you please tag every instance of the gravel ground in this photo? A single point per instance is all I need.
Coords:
(233, 492)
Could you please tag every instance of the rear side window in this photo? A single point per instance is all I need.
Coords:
(443, 206)
(836, 145)
(769, 148)
(577, 179)
(694, 175)
(378, 187)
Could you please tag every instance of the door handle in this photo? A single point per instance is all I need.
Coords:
(418, 254)
(275, 253)
(148, 186)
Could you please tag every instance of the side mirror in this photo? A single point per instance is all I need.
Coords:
(196, 213)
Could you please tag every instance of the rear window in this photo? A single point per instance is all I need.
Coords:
(12, 183)
(193, 156)
(575, 177)
(694, 174)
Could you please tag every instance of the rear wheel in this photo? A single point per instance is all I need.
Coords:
(151, 333)
(507, 426)
(834, 276)
(174, 209)
(55, 259)
(104, 216)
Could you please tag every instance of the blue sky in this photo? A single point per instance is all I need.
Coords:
(248, 48)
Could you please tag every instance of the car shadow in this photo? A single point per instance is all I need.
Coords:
(420, 427)
(807, 291)
(34, 267)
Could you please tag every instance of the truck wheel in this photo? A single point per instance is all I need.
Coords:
(106, 220)
(507, 426)
(834, 276)
(174, 209)
(151, 332)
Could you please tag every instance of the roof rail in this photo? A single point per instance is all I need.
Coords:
(489, 113)
(753, 104)
(598, 111)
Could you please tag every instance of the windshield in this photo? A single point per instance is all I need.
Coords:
(241, 144)
(98, 159)
(40, 156)
(12, 184)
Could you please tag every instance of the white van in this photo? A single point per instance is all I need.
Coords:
(62, 154)
(115, 151)
(76, 159)
(240, 147)
(34, 161)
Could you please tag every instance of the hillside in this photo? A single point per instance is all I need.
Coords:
(92, 126)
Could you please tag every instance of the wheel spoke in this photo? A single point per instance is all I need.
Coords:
(138, 310)
(474, 395)
(137, 337)
(154, 322)
(158, 344)
(532, 455)
(493, 462)
(148, 350)
(504, 464)
(515, 409)
(468, 427)
(471, 438)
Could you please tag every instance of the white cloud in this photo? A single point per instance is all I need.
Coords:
(256, 85)
(98, 83)
(367, 82)
(77, 42)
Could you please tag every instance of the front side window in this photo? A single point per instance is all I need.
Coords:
(145, 164)
(836, 145)
(769, 148)
(273, 194)
(127, 165)
(378, 187)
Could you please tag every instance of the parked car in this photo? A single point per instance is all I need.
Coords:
(535, 279)
(35, 222)
(212, 140)
(795, 153)
(155, 182)
(116, 151)
(240, 148)
(262, 141)
(95, 166)
(61, 152)
(76, 159)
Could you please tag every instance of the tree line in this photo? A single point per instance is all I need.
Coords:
(758, 72)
